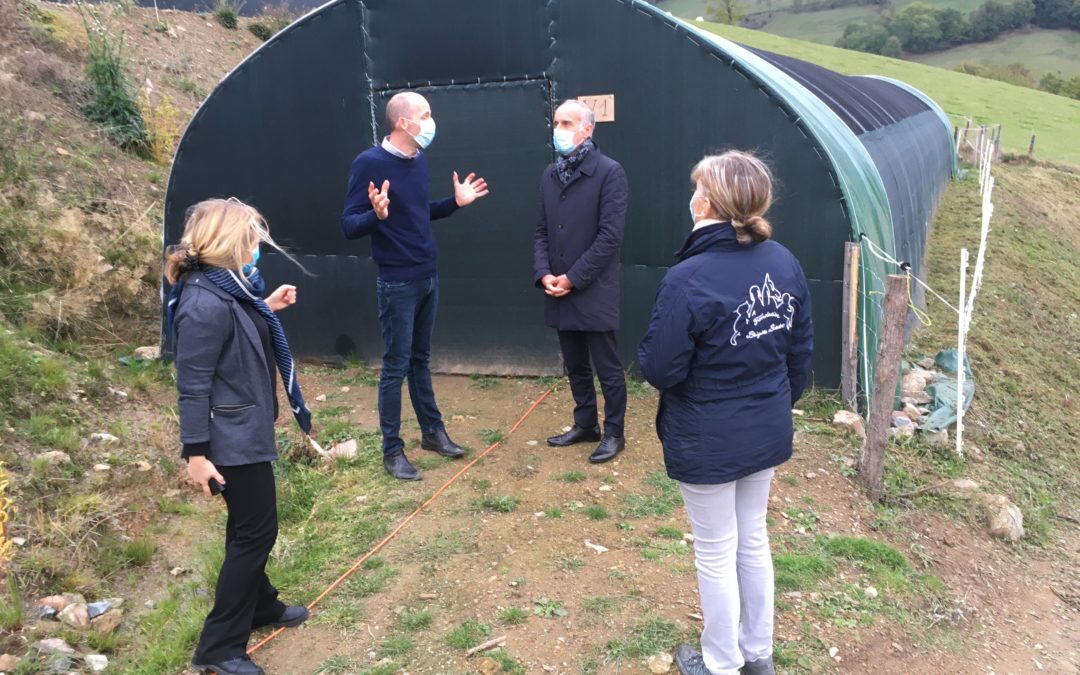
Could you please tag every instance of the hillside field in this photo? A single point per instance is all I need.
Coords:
(1054, 119)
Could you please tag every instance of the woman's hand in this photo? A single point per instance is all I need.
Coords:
(284, 296)
(200, 470)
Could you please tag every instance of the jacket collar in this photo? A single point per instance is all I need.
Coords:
(718, 237)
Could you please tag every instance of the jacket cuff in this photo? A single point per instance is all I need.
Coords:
(580, 283)
(195, 449)
(539, 277)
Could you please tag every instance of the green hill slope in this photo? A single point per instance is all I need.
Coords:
(1021, 111)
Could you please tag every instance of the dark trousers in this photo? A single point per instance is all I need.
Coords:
(244, 598)
(577, 348)
(407, 320)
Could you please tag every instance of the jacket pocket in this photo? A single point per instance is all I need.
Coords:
(230, 409)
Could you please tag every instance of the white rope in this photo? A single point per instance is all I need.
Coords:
(882, 255)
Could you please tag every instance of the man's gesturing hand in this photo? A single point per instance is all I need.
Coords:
(380, 199)
(469, 190)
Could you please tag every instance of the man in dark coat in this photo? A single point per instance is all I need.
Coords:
(583, 197)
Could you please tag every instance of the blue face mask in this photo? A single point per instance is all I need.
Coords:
(427, 132)
(249, 267)
(563, 140)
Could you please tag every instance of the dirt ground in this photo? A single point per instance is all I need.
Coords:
(1007, 616)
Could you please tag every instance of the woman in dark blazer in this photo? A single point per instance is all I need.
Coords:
(230, 349)
(729, 346)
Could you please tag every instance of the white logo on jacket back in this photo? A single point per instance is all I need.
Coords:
(766, 311)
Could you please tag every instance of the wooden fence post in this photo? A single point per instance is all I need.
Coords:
(849, 364)
(1031, 146)
(886, 373)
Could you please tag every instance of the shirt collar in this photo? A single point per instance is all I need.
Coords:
(705, 223)
(393, 150)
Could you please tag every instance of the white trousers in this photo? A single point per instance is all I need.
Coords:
(735, 570)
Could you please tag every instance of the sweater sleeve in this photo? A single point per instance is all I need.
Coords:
(358, 218)
(666, 351)
(802, 341)
(201, 333)
(443, 208)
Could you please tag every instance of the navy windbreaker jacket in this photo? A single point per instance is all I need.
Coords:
(728, 346)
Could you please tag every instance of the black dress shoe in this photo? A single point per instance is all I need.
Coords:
(241, 665)
(293, 616)
(608, 448)
(575, 435)
(440, 442)
(398, 466)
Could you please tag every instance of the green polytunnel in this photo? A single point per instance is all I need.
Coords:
(852, 156)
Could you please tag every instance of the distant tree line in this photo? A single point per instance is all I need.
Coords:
(1021, 75)
(918, 27)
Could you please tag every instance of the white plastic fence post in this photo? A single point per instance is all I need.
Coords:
(961, 336)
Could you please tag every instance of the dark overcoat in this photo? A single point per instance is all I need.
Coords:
(579, 234)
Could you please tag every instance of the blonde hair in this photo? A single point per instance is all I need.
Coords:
(218, 233)
(738, 186)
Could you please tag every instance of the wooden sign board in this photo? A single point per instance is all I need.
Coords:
(603, 106)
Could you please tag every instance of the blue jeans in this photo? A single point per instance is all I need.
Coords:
(407, 320)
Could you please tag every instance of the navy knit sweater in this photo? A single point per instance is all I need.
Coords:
(403, 245)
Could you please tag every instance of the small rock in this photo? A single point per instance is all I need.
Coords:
(321, 398)
(18, 541)
(108, 622)
(76, 616)
(103, 438)
(794, 595)
(53, 646)
(150, 604)
(101, 467)
(605, 488)
(688, 538)
(428, 596)
(62, 152)
(913, 412)
(57, 602)
(346, 450)
(345, 390)
(533, 443)
(849, 423)
(48, 614)
(659, 663)
(487, 666)
(900, 419)
(143, 466)
(119, 393)
(871, 592)
(596, 547)
(8, 662)
(927, 363)
(54, 457)
(965, 485)
(96, 662)
(61, 664)
(695, 616)
(151, 353)
(902, 432)
(914, 384)
(31, 116)
(1003, 518)
(177, 571)
(938, 438)
(833, 652)
(547, 668)
(96, 609)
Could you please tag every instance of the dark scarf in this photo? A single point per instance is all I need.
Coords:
(249, 291)
(566, 166)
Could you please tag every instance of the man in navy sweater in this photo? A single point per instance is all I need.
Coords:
(388, 200)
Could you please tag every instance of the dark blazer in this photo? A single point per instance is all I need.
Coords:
(728, 346)
(579, 234)
(225, 394)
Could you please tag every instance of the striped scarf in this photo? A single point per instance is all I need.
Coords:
(250, 291)
(566, 166)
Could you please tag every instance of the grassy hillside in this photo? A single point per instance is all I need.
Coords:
(1054, 119)
(824, 27)
(1043, 51)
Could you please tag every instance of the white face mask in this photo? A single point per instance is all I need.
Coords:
(694, 215)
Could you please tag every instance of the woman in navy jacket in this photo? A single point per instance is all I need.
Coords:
(729, 346)
(230, 349)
